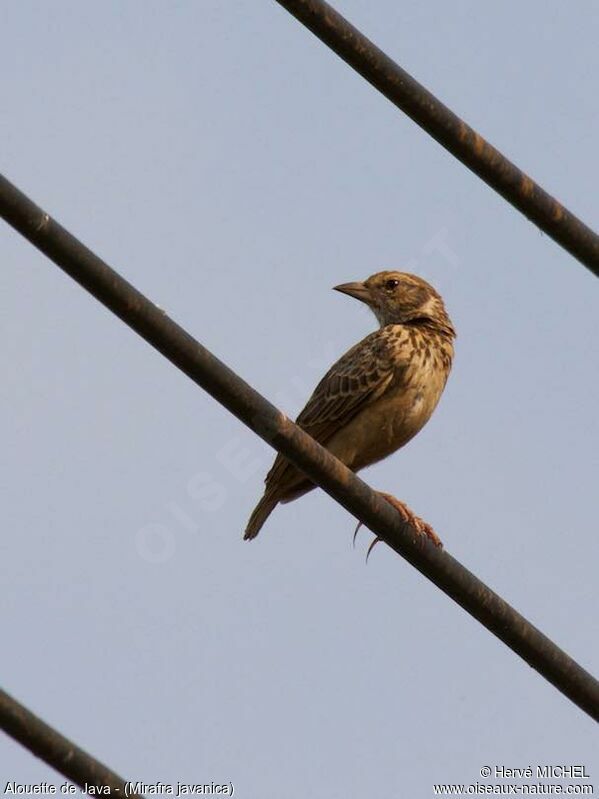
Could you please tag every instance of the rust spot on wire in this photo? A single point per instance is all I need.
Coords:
(479, 144)
(527, 186)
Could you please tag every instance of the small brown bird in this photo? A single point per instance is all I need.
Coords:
(379, 394)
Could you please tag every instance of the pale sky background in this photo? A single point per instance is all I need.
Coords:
(234, 169)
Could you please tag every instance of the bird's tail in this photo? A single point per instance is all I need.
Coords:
(259, 515)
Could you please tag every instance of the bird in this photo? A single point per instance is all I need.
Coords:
(378, 395)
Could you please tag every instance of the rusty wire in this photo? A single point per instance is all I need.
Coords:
(317, 463)
(448, 129)
(56, 750)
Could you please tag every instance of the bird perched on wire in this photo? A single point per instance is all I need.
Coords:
(379, 394)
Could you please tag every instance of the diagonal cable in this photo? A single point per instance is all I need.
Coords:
(56, 750)
(448, 129)
(317, 463)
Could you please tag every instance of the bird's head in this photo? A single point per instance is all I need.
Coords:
(399, 298)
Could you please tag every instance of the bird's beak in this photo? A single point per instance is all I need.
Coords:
(358, 290)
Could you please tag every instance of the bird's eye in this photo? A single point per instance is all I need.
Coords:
(392, 284)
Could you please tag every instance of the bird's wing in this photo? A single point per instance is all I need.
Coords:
(361, 375)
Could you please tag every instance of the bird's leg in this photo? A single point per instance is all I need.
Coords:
(408, 516)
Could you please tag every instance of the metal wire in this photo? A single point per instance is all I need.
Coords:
(321, 467)
(448, 129)
(56, 750)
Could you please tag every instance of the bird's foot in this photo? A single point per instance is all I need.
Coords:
(408, 516)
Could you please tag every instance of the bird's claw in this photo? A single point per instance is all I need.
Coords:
(371, 547)
(408, 516)
(358, 525)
